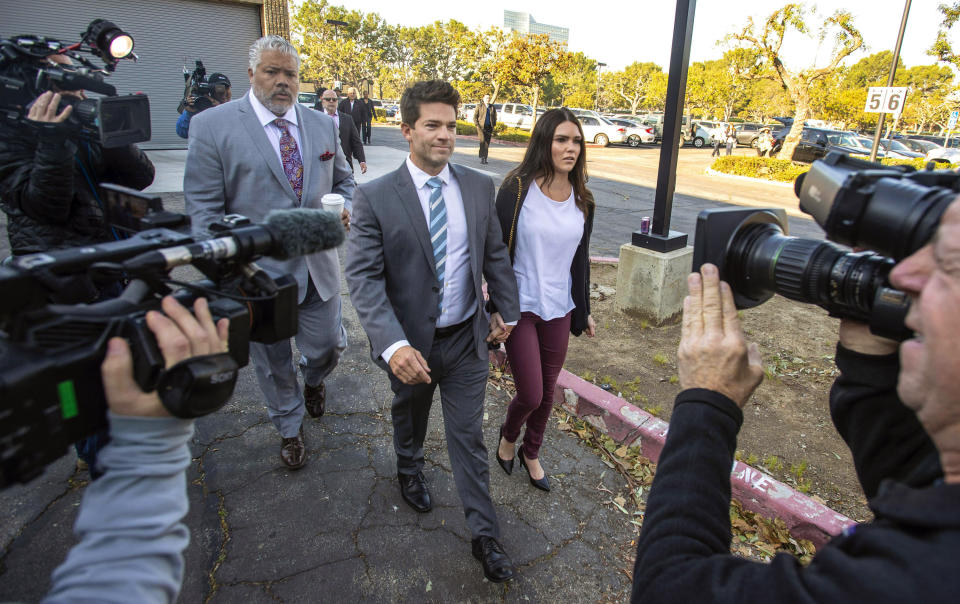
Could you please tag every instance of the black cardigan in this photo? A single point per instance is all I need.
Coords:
(509, 201)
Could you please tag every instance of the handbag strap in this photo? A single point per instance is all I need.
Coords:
(516, 210)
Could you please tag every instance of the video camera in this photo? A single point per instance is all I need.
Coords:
(201, 89)
(893, 211)
(51, 393)
(26, 72)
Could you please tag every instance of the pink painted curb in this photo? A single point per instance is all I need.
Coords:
(604, 260)
(632, 426)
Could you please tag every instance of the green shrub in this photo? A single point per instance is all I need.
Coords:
(919, 163)
(380, 114)
(768, 168)
(466, 128)
(515, 135)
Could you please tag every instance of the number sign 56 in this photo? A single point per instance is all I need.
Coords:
(883, 99)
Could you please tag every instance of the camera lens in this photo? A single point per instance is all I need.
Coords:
(844, 283)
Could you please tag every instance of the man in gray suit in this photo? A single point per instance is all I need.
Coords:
(253, 155)
(422, 237)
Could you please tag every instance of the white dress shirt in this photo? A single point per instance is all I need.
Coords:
(459, 299)
(273, 131)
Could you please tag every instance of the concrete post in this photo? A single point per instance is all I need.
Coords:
(651, 285)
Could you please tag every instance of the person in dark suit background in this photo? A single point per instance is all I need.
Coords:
(349, 137)
(371, 113)
(354, 107)
(485, 118)
(422, 237)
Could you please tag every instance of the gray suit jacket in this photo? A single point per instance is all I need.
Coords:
(232, 168)
(390, 267)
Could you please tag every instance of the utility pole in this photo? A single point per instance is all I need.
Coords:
(336, 36)
(596, 103)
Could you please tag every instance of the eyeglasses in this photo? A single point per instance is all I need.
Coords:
(323, 98)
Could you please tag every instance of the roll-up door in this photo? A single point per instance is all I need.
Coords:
(168, 35)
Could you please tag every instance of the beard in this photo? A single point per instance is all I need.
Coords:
(275, 107)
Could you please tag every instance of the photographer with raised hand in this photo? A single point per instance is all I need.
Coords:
(130, 524)
(222, 93)
(907, 454)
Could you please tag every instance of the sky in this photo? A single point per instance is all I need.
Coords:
(642, 30)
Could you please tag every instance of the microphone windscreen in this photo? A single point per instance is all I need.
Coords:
(301, 231)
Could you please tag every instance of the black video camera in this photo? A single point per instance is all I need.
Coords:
(200, 89)
(26, 71)
(51, 393)
(893, 211)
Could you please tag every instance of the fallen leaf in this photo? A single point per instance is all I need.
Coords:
(622, 451)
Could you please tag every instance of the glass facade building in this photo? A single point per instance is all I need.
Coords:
(524, 23)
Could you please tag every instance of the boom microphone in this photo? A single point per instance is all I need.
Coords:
(285, 234)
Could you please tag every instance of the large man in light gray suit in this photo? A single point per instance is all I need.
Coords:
(421, 238)
(248, 157)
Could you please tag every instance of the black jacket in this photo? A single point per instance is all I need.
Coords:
(480, 116)
(45, 192)
(908, 553)
(359, 113)
(510, 199)
(350, 139)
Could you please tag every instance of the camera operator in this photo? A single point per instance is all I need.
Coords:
(48, 179)
(130, 524)
(907, 454)
(221, 94)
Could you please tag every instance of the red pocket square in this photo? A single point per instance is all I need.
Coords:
(327, 155)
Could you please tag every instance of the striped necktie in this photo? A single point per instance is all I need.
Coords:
(290, 157)
(438, 231)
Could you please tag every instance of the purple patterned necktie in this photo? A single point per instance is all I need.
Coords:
(290, 157)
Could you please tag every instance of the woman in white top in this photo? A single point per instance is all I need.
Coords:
(546, 215)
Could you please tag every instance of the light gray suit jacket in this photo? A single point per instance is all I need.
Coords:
(232, 168)
(390, 267)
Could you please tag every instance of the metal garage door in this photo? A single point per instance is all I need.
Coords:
(168, 34)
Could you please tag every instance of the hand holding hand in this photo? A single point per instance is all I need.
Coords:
(713, 353)
(180, 335)
(499, 331)
(409, 366)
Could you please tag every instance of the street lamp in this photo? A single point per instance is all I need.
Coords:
(596, 104)
(336, 34)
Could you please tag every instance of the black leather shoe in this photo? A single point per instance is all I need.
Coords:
(293, 451)
(315, 397)
(497, 566)
(506, 464)
(543, 484)
(413, 489)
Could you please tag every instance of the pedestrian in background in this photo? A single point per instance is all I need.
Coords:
(546, 215)
(764, 142)
(485, 119)
(731, 136)
(719, 135)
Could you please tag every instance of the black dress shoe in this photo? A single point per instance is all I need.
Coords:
(315, 397)
(293, 451)
(413, 489)
(506, 464)
(543, 484)
(497, 566)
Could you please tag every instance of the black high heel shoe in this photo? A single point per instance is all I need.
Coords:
(506, 464)
(543, 484)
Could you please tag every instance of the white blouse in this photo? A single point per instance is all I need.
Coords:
(548, 233)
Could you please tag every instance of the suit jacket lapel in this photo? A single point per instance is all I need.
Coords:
(407, 193)
(249, 120)
(306, 151)
(469, 196)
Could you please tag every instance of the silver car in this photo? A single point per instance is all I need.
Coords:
(637, 132)
(601, 131)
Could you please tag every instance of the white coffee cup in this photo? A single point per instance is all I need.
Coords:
(333, 202)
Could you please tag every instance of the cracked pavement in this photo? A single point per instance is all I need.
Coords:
(337, 530)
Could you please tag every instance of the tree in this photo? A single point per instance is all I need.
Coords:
(640, 85)
(527, 60)
(575, 84)
(769, 40)
(942, 49)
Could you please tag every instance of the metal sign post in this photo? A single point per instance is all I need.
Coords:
(893, 72)
(661, 238)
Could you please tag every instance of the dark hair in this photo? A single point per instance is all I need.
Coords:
(538, 160)
(427, 91)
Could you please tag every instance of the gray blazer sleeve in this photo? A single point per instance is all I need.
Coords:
(203, 186)
(130, 526)
(497, 270)
(364, 270)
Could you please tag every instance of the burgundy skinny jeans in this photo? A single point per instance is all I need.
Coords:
(536, 350)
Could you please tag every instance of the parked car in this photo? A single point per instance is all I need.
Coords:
(817, 142)
(920, 146)
(578, 112)
(466, 111)
(307, 99)
(601, 131)
(749, 132)
(516, 115)
(898, 150)
(637, 132)
(703, 135)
